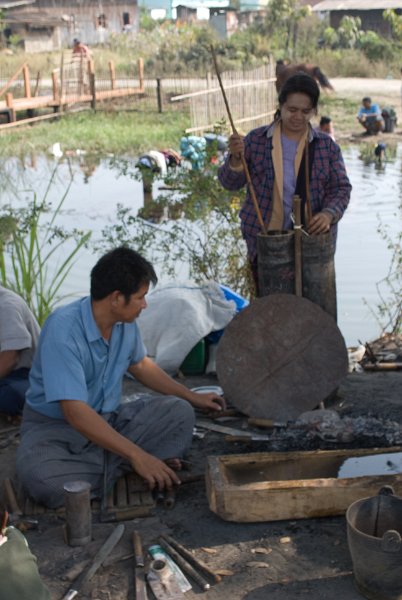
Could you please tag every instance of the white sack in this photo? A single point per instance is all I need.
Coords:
(178, 316)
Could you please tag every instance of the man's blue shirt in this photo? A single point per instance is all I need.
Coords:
(74, 362)
(373, 111)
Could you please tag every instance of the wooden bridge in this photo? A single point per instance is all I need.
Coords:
(74, 83)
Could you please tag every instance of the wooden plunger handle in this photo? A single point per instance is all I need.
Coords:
(298, 250)
(243, 160)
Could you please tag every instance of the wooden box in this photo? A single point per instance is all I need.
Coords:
(295, 485)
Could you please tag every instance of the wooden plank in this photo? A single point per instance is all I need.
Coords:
(121, 493)
(289, 485)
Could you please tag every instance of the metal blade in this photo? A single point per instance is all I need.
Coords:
(100, 556)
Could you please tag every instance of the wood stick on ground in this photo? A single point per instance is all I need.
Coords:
(195, 561)
(184, 565)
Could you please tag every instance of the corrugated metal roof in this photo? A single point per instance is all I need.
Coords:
(330, 5)
(15, 3)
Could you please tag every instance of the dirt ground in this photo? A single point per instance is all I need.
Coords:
(283, 559)
(279, 560)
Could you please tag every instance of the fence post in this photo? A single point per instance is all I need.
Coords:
(141, 73)
(10, 106)
(27, 82)
(93, 89)
(112, 74)
(159, 95)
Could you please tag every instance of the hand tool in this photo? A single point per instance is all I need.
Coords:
(266, 423)
(222, 429)
(100, 556)
(183, 564)
(140, 583)
(158, 553)
(298, 245)
(192, 559)
(163, 582)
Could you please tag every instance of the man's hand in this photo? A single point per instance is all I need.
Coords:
(155, 472)
(320, 223)
(209, 402)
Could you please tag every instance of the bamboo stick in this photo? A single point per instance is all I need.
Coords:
(298, 249)
(243, 160)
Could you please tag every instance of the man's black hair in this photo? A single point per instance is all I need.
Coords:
(325, 121)
(366, 99)
(123, 270)
(300, 83)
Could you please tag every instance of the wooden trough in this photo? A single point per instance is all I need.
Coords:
(291, 485)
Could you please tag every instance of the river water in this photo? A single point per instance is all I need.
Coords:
(362, 257)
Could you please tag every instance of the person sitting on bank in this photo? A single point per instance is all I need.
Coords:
(74, 425)
(325, 126)
(80, 49)
(19, 333)
(369, 116)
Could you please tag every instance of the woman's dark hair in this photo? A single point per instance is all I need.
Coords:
(123, 270)
(299, 83)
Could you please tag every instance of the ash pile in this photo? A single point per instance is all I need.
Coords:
(327, 430)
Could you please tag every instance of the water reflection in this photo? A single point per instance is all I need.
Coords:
(100, 184)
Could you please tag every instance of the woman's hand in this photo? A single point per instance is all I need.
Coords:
(236, 149)
(320, 223)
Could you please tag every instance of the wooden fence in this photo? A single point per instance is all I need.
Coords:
(75, 82)
(251, 97)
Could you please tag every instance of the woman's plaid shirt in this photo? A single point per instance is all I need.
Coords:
(329, 185)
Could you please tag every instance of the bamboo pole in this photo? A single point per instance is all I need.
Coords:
(27, 81)
(243, 160)
(141, 73)
(10, 106)
(12, 79)
(112, 72)
(298, 249)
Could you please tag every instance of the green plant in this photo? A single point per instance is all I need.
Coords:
(196, 225)
(34, 259)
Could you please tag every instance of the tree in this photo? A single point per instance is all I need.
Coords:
(283, 18)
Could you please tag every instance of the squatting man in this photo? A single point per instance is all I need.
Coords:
(74, 425)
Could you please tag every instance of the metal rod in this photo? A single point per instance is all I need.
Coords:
(243, 160)
(183, 564)
(195, 561)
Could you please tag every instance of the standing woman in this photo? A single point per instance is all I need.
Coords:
(276, 158)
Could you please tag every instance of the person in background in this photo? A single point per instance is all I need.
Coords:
(325, 126)
(74, 425)
(19, 333)
(80, 49)
(369, 116)
(276, 155)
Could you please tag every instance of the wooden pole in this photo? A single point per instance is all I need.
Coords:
(298, 249)
(159, 95)
(308, 211)
(243, 160)
(93, 90)
(37, 82)
(141, 73)
(55, 86)
(10, 106)
(112, 72)
(11, 80)
(27, 81)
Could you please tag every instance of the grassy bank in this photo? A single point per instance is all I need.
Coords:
(128, 133)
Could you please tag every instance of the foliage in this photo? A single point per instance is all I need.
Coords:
(118, 132)
(395, 21)
(390, 288)
(34, 257)
(202, 231)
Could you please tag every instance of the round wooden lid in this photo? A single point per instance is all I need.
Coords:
(280, 356)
